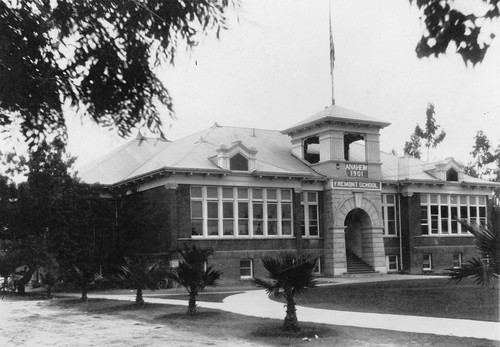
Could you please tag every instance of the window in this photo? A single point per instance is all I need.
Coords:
(238, 162)
(439, 213)
(427, 262)
(457, 260)
(196, 211)
(309, 201)
(311, 150)
(317, 267)
(245, 212)
(389, 214)
(452, 175)
(392, 263)
(348, 140)
(246, 268)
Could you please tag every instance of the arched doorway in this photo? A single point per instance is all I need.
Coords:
(355, 222)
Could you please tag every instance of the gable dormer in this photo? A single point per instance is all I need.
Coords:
(236, 157)
(446, 170)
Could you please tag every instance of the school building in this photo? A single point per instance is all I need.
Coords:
(321, 186)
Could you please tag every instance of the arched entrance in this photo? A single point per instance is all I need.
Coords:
(355, 222)
(357, 226)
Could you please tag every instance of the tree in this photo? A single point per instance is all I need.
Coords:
(289, 275)
(486, 164)
(86, 278)
(55, 218)
(49, 280)
(413, 146)
(98, 55)
(194, 274)
(430, 135)
(142, 273)
(483, 270)
(446, 26)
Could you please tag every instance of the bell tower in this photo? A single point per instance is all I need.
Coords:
(339, 143)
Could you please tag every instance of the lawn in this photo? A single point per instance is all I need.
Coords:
(216, 324)
(428, 297)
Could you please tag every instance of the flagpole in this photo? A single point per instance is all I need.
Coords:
(332, 49)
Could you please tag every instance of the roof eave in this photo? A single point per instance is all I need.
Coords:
(330, 119)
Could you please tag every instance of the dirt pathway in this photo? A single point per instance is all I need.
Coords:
(35, 323)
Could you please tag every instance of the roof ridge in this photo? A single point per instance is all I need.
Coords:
(160, 152)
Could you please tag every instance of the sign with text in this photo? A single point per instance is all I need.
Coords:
(356, 170)
(360, 185)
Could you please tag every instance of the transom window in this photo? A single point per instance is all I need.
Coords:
(241, 212)
(389, 214)
(439, 214)
(309, 224)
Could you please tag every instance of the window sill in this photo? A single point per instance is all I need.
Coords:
(447, 235)
(260, 237)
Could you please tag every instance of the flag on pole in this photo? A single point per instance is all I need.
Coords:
(332, 48)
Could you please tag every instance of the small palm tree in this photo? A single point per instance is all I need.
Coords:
(193, 274)
(142, 273)
(483, 271)
(289, 275)
(86, 279)
(49, 280)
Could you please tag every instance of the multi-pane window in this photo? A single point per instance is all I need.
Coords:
(231, 211)
(309, 201)
(389, 214)
(246, 268)
(196, 211)
(440, 213)
(392, 263)
(457, 260)
(427, 262)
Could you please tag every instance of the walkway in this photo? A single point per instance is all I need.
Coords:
(256, 303)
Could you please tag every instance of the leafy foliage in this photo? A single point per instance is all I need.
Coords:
(413, 146)
(99, 55)
(447, 26)
(483, 271)
(486, 164)
(430, 135)
(53, 217)
(194, 275)
(142, 225)
(289, 275)
(142, 273)
(49, 280)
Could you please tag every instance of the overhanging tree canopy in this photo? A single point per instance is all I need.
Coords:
(449, 23)
(99, 55)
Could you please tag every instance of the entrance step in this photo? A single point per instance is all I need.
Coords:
(356, 265)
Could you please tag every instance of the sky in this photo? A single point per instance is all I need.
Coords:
(271, 69)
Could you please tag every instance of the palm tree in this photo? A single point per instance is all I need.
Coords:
(193, 274)
(49, 280)
(483, 271)
(289, 275)
(141, 273)
(86, 279)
